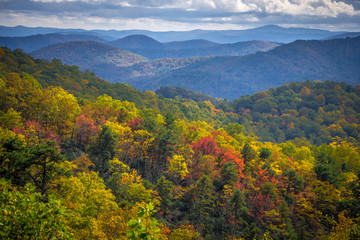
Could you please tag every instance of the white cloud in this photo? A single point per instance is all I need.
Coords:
(331, 8)
(161, 15)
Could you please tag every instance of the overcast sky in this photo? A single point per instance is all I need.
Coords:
(178, 15)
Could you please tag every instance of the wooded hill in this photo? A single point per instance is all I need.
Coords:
(35, 42)
(222, 77)
(91, 166)
(152, 49)
(232, 77)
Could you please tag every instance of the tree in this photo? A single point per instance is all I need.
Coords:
(264, 153)
(102, 150)
(85, 131)
(87, 200)
(178, 166)
(239, 210)
(326, 169)
(128, 187)
(40, 164)
(57, 110)
(24, 216)
(144, 226)
(184, 233)
(248, 153)
(165, 190)
(203, 203)
(229, 174)
(167, 138)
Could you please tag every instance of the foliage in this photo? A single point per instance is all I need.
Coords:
(25, 216)
(145, 226)
(142, 166)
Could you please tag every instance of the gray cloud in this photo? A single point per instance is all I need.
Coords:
(181, 14)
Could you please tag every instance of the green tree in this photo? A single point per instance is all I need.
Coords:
(144, 226)
(203, 203)
(40, 164)
(248, 153)
(24, 216)
(229, 174)
(164, 188)
(103, 150)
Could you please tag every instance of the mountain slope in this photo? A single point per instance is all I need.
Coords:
(344, 35)
(88, 55)
(231, 77)
(110, 63)
(183, 49)
(136, 42)
(34, 42)
(195, 43)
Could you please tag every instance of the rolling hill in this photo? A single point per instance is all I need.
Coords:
(232, 77)
(152, 49)
(89, 55)
(110, 63)
(136, 42)
(34, 42)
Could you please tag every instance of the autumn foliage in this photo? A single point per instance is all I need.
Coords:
(105, 168)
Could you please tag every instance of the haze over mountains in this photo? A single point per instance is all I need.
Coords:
(270, 33)
(217, 68)
(231, 77)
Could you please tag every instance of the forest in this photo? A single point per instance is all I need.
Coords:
(82, 158)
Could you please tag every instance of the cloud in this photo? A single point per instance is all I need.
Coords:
(181, 14)
(292, 7)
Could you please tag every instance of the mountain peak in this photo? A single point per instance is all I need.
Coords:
(137, 41)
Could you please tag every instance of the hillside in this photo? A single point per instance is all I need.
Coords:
(189, 44)
(344, 35)
(232, 77)
(89, 55)
(136, 42)
(117, 65)
(183, 49)
(110, 63)
(319, 112)
(35, 42)
(182, 93)
(19, 66)
(312, 110)
(79, 164)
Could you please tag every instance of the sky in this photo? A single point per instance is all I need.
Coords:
(181, 15)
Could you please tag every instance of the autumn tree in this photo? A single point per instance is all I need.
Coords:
(25, 216)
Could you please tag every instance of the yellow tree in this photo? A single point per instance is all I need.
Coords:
(178, 167)
(58, 110)
(87, 199)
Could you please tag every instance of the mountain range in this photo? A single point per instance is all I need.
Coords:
(219, 76)
(222, 70)
(34, 42)
(152, 49)
(270, 33)
(232, 77)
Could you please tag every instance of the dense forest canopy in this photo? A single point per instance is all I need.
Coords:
(81, 158)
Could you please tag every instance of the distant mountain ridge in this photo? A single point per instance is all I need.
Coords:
(222, 76)
(152, 49)
(270, 33)
(110, 63)
(137, 41)
(34, 42)
(89, 55)
(232, 77)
